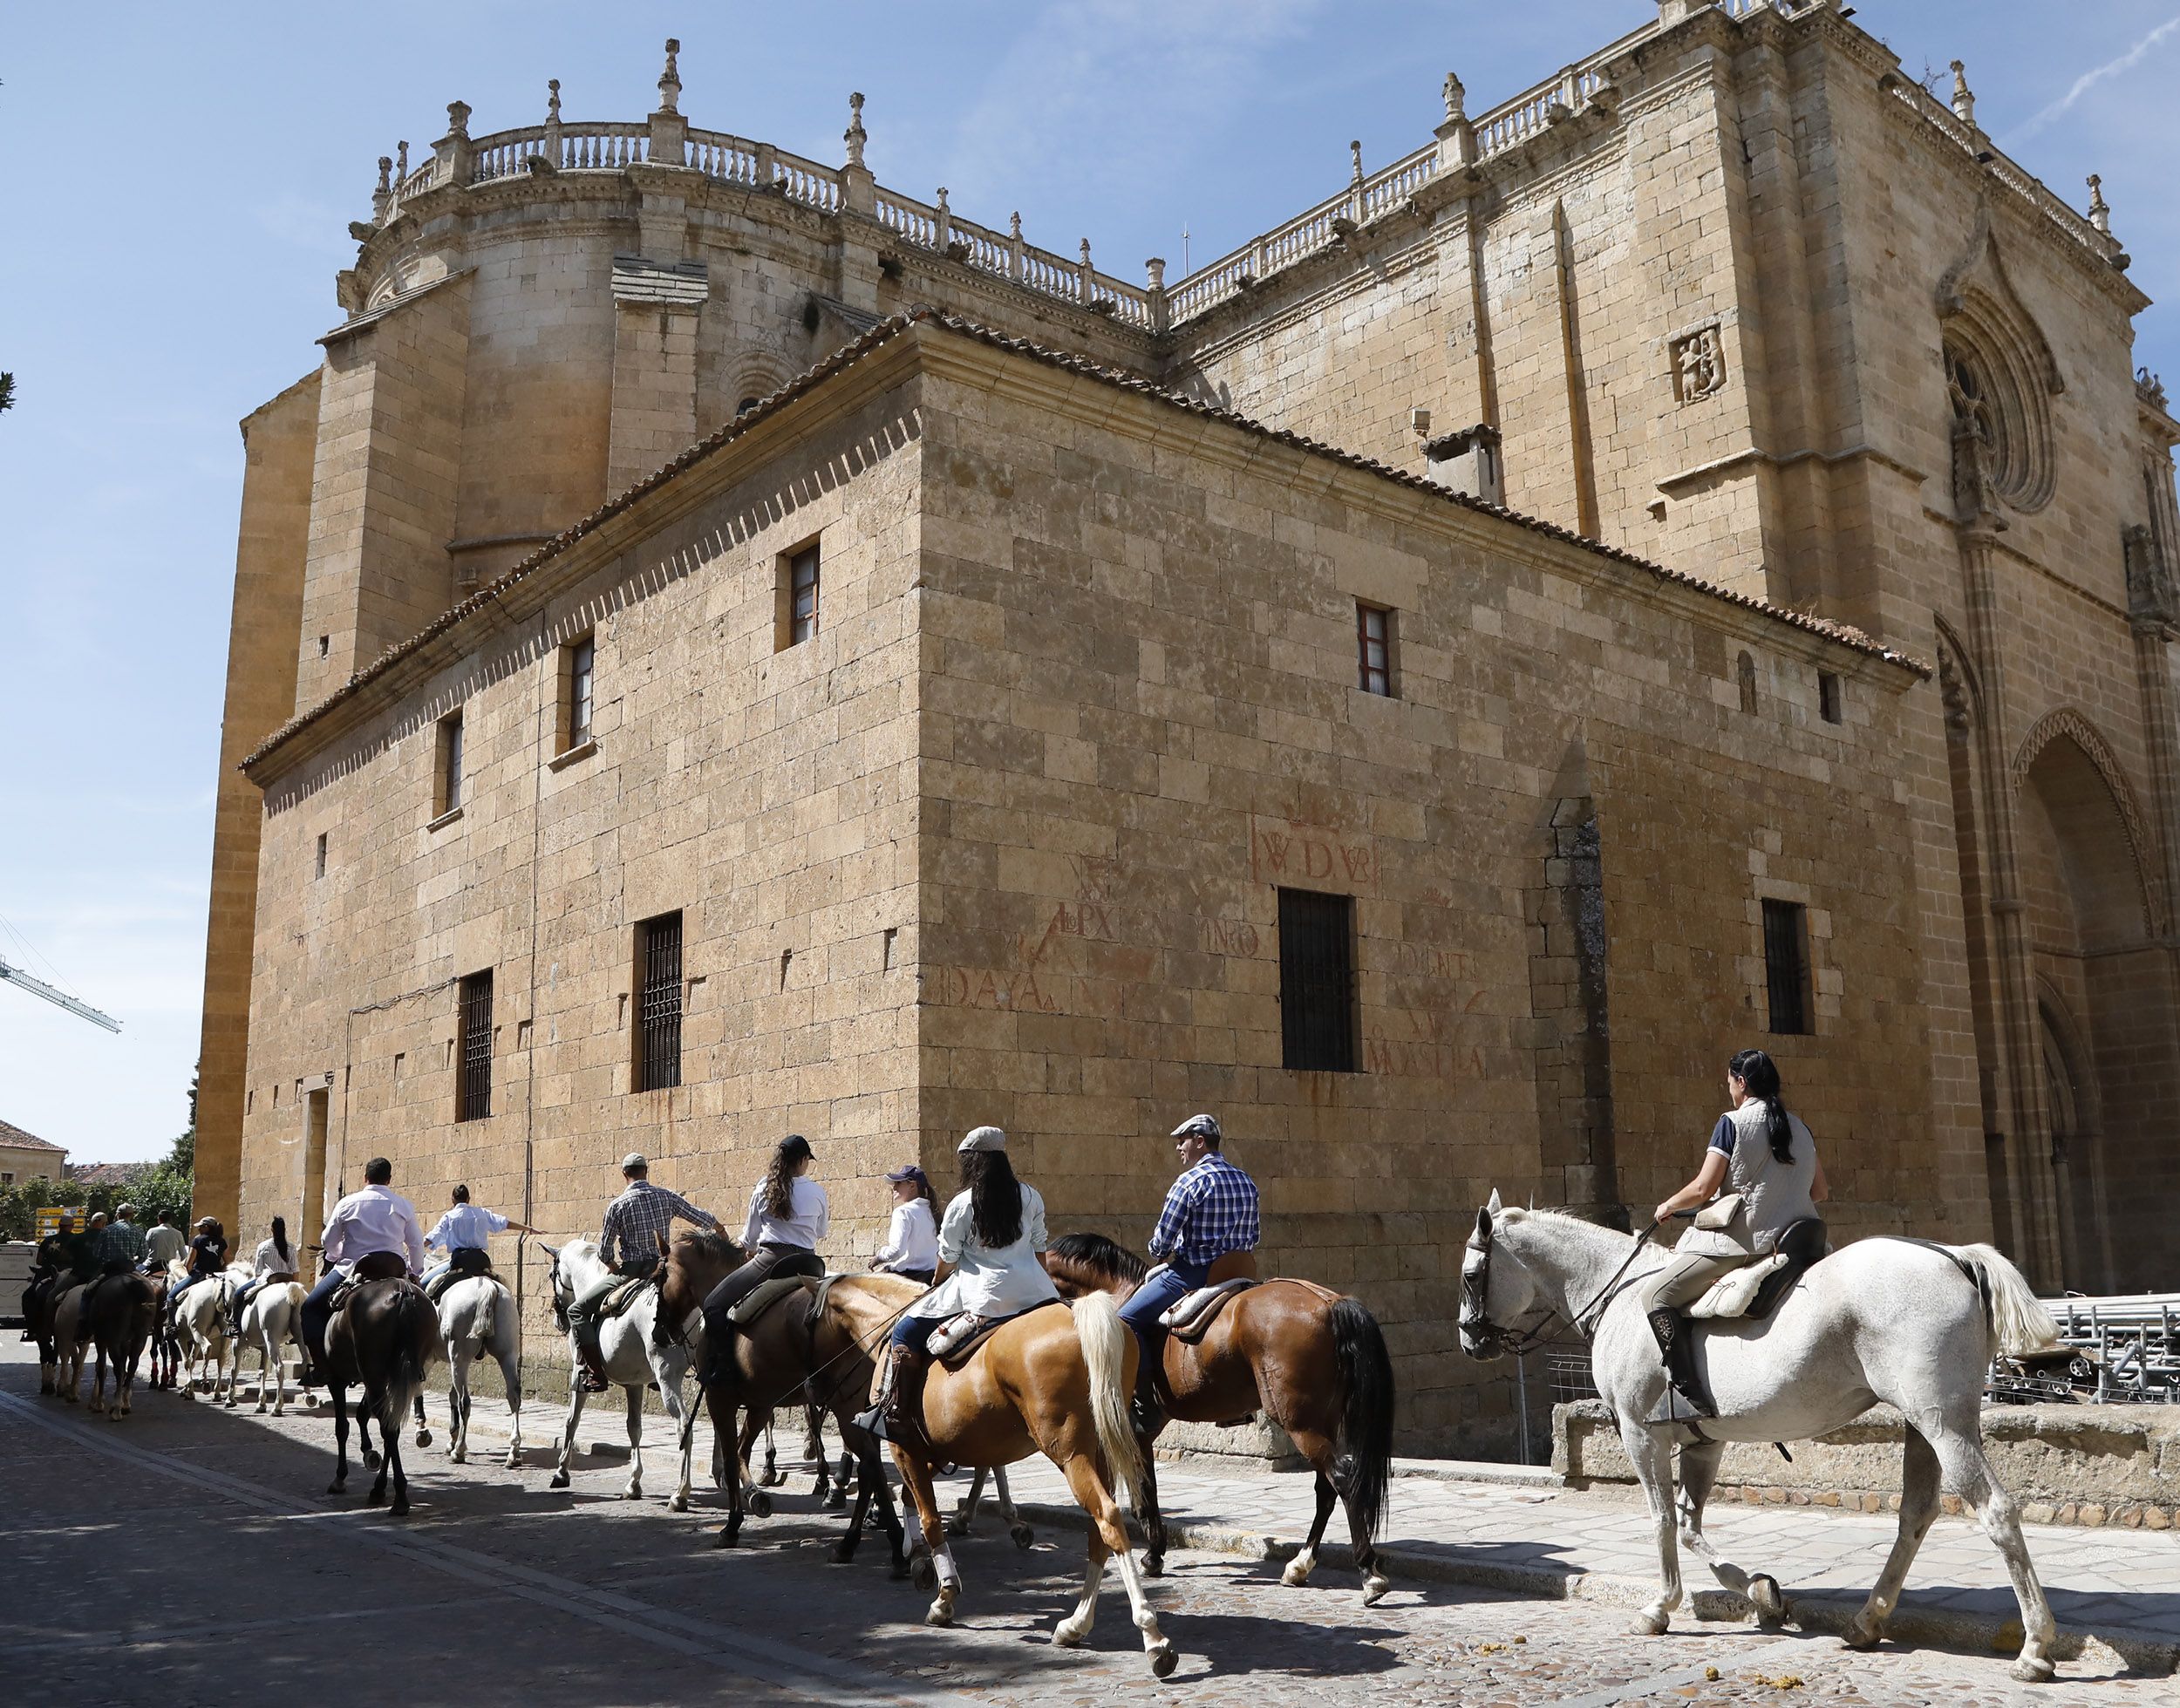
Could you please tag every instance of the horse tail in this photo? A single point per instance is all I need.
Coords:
(2019, 1323)
(412, 1316)
(487, 1306)
(1105, 1339)
(1365, 1425)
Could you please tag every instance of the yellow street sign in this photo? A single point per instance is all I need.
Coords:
(48, 1220)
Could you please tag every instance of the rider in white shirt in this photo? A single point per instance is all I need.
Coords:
(911, 1246)
(788, 1214)
(373, 1219)
(275, 1261)
(467, 1226)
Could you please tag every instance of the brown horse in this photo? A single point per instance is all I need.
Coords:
(383, 1338)
(791, 1353)
(1048, 1381)
(122, 1308)
(1313, 1361)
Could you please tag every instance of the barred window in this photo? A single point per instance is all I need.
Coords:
(1373, 648)
(581, 665)
(473, 1099)
(1786, 965)
(658, 1005)
(1316, 982)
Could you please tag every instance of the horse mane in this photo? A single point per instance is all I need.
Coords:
(1101, 1255)
(702, 1243)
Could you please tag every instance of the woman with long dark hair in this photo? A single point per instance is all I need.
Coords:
(1766, 1160)
(275, 1261)
(788, 1214)
(989, 1247)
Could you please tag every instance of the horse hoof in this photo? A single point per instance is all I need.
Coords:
(843, 1554)
(377, 1497)
(514, 1460)
(724, 1538)
(339, 1486)
(898, 1571)
(677, 1502)
(1862, 1635)
(1163, 1659)
(1769, 1600)
(1068, 1634)
(922, 1573)
(424, 1438)
(836, 1501)
(1153, 1565)
(399, 1509)
(1022, 1535)
(938, 1614)
(1374, 1588)
(559, 1480)
(2032, 1669)
(1650, 1624)
(759, 1503)
(458, 1456)
(1298, 1571)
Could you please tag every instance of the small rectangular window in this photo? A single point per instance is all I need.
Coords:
(1373, 648)
(321, 872)
(1786, 965)
(1828, 701)
(798, 604)
(473, 1101)
(658, 1003)
(448, 787)
(1316, 982)
(575, 720)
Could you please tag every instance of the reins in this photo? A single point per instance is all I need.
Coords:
(1542, 1333)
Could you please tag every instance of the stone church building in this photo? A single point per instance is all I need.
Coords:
(1681, 560)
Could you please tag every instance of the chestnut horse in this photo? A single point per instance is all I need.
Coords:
(1312, 1360)
(790, 1353)
(1055, 1382)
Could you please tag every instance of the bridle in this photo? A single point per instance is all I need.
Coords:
(1495, 1340)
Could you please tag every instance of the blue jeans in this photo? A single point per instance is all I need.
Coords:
(435, 1272)
(1162, 1288)
(914, 1332)
(318, 1312)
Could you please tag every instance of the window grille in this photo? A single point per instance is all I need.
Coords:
(1786, 965)
(802, 596)
(658, 1007)
(1316, 980)
(450, 763)
(581, 662)
(474, 1098)
(1373, 648)
(321, 871)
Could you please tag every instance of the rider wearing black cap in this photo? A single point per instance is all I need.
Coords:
(788, 1214)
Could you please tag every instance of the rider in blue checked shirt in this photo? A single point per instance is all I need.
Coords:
(1210, 1210)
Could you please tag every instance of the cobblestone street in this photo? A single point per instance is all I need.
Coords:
(201, 1540)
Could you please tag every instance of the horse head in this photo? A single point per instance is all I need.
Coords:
(1496, 1297)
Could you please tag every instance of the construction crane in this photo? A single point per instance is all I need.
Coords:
(11, 973)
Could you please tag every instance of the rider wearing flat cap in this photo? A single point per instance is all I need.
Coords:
(1210, 1211)
(631, 1241)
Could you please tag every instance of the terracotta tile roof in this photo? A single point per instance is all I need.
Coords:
(110, 1174)
(13, 1138)
(1844, 633)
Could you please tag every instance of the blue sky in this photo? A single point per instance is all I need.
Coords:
(175, 204)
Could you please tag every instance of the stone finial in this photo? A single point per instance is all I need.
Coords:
(1154, 273)
(1964, 101)
(1354, 153)
(2100, 214)
(457, 118)
(670, 79)
(552, 100)
(401, 163)
(1014, 225)
(386, 173)
(1085, 255)
(1456, 95)
(382, 197)
(854, 136)
(942, 199)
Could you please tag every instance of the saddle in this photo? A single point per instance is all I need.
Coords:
(372, 1266)
(761, 1298)
(954, 1342)
(464, 1261)
(1192, 1317)
(1753, 1291)
(630, 1290)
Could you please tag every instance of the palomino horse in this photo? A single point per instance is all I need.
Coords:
(1905, 1322)
(272, 1320)
(39, 1324)
(1049, 1381)
(122, 1310)
(1314, 1362)
(477, 1318)
(382, 1339)
(793, 1351)
(633, 1362)
(68, 1333)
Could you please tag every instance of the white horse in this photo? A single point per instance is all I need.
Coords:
(1902, 1321)
(272, 1320)
(477, 1318)
(200, 1324)
(632, 1364)
(71, 1337)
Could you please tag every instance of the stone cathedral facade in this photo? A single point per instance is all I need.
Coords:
(1682, 559)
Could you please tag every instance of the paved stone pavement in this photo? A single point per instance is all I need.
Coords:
(188, 1554)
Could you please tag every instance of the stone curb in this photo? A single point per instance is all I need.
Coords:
(1827, 1611)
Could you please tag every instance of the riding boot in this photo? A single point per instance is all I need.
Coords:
(590, 1361)
(1684, 1400)
(898, 1416)
(1146, 1410)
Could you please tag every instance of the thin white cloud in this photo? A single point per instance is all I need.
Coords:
(2089, 79)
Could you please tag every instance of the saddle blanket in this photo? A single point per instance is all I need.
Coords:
(630, 1290)
(761, 1298)
(1192, 1317)
(952, 1343)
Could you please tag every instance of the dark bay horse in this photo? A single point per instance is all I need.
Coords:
(122, 1308)
(792, 1354)
(382, 1339)
(1312, 1360)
